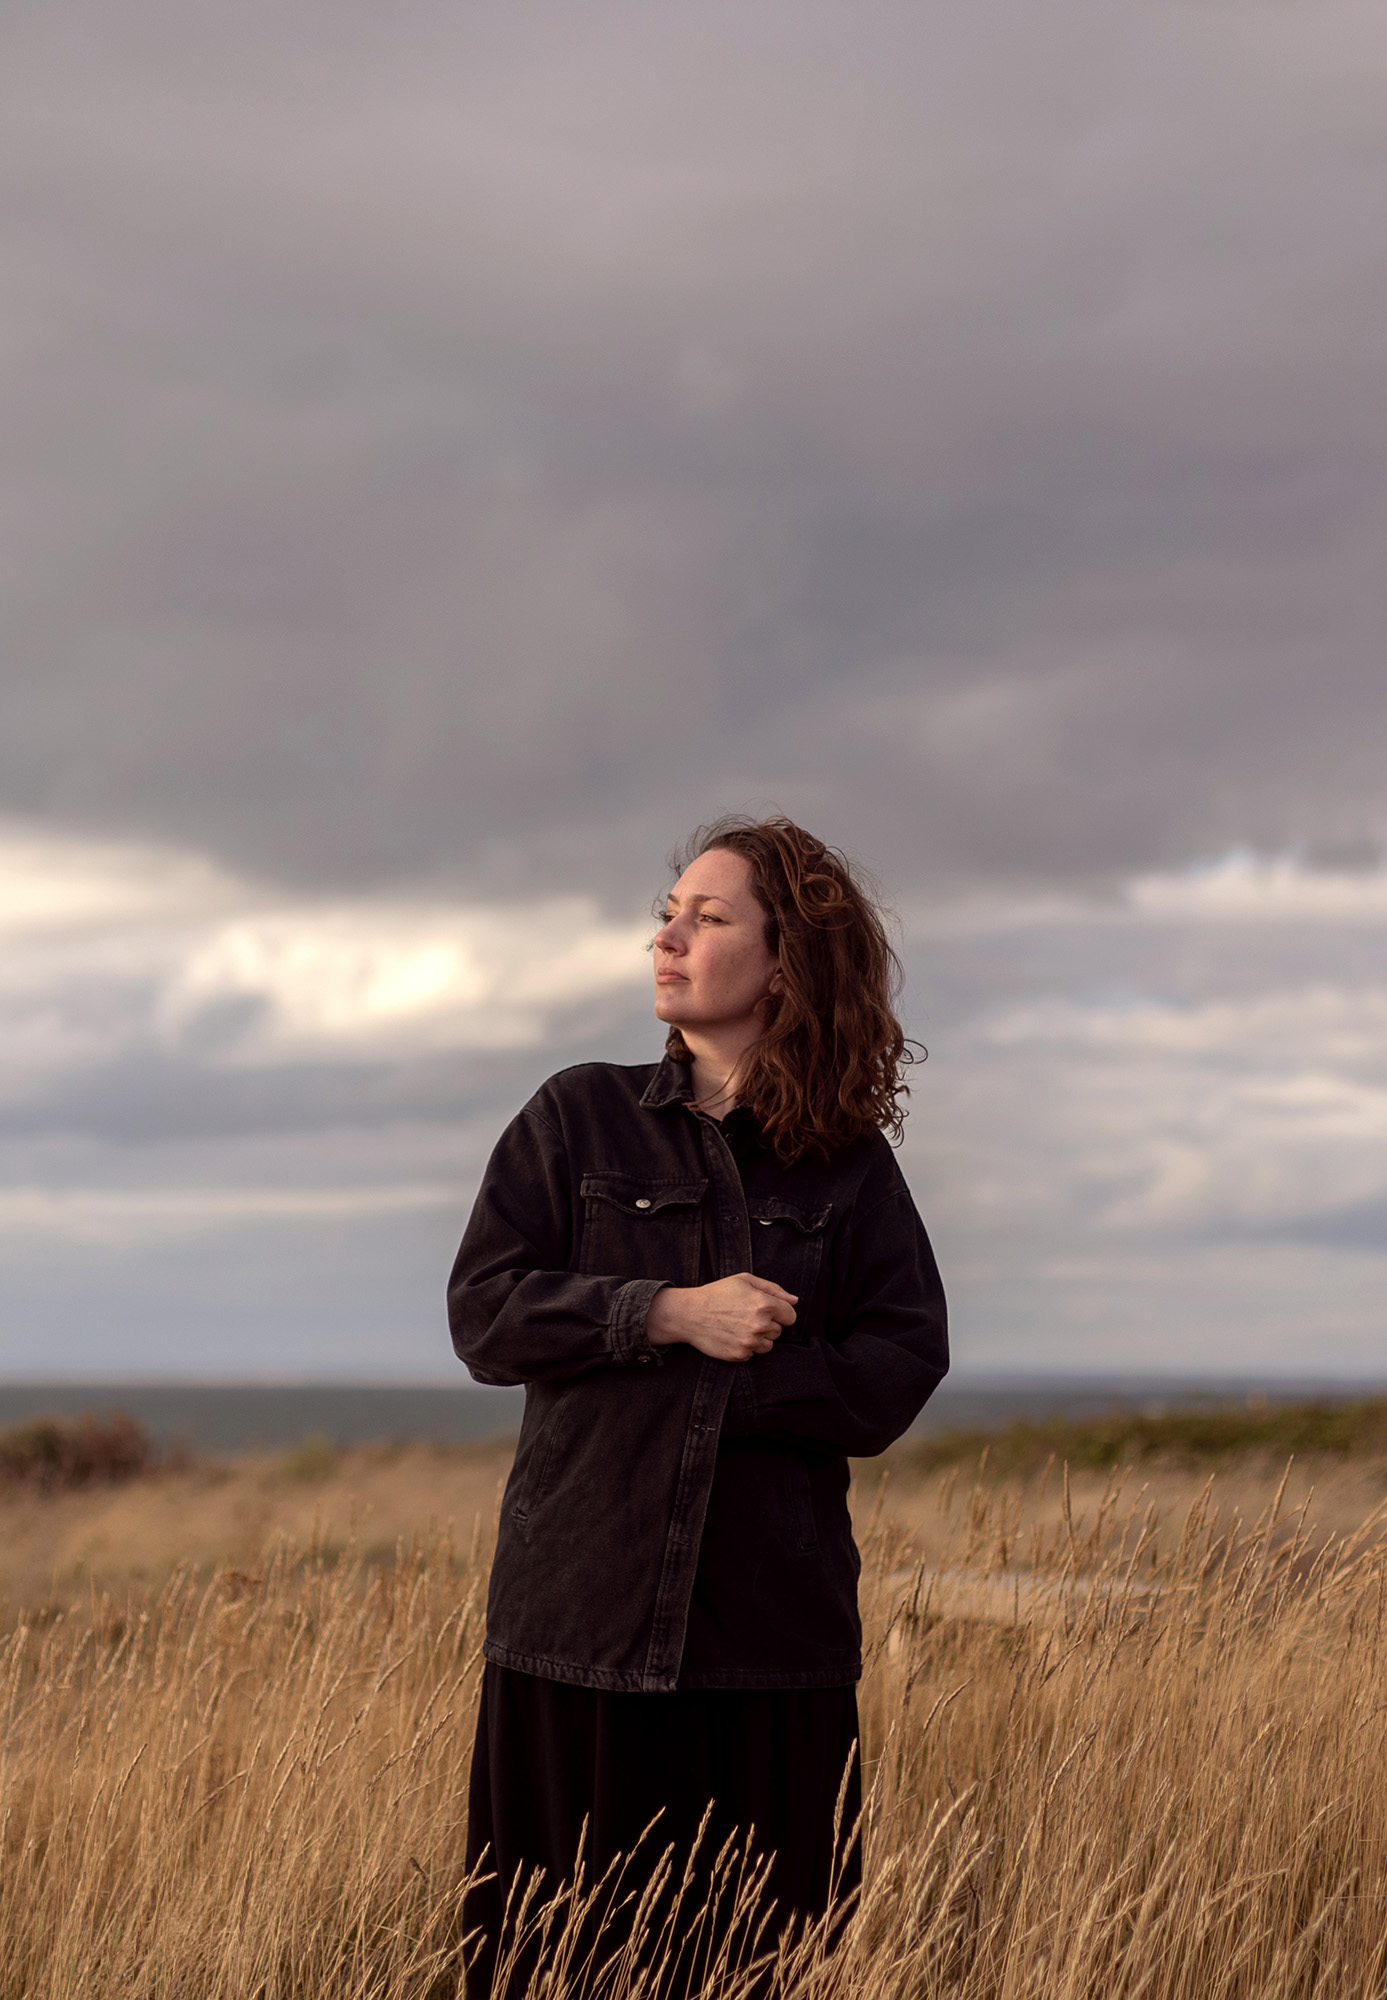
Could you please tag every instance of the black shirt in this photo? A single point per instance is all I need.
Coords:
(759, 1553)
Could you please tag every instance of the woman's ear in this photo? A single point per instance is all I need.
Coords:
(777, 984)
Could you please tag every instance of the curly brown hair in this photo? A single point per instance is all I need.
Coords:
(827, 1068)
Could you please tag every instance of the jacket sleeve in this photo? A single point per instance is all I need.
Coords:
(516, 1312)
(860, 1384)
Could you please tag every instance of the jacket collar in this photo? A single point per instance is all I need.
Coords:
(672, 1083)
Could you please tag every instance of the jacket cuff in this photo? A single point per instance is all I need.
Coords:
(626, 1334)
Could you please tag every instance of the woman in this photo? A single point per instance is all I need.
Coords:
(711, 1279)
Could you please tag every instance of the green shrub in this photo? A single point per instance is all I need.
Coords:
(56, 1454)
(314, 1457)
(1190, 1437)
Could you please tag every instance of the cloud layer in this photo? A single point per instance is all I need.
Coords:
(446, 454)
(1131, 1098)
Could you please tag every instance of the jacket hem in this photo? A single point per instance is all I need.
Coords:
(630, 1680)
(578, 1673)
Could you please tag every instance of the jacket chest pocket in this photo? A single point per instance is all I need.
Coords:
(787, 1245)
(636, 1227)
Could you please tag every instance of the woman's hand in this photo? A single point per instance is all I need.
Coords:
(731, 1319)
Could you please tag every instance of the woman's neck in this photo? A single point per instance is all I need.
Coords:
(719, 1062)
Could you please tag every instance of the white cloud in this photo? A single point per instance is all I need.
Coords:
(1147, 1184)
(1239, 888)
(130, 1218)
(1262, 1030)
(55, 886)
(360, 977)
(113, 947)
(1246, 887)
(1148, 1118)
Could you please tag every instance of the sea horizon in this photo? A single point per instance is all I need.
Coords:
(248, 1414)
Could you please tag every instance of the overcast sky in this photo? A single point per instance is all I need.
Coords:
(447, 453)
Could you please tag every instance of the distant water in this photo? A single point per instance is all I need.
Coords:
(254, 1416)
(267, 1417)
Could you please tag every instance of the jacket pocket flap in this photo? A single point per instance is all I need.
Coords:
(636, 1194)
(809, 1221)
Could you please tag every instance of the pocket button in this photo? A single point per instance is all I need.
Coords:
(643, 1202)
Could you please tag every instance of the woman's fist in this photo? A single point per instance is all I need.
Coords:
(731, 1319)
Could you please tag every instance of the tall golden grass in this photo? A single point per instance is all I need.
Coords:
(1129, 1748)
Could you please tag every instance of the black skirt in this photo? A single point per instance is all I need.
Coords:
(551, 1759)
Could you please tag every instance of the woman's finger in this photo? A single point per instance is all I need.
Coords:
(769, 1285)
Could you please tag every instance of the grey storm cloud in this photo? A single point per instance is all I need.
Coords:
(473, 444)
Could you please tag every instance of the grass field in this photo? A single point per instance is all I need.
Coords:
(1124, 1730)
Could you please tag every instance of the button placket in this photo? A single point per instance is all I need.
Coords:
(715, 1379)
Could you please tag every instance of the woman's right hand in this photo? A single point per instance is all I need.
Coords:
(731, 1319)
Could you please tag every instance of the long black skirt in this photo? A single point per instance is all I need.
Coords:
(565, 1776)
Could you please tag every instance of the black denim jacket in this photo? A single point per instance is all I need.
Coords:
(606, 1187)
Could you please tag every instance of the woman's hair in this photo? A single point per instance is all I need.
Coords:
(827, 1067)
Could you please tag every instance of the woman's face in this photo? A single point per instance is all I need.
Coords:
(712, 965)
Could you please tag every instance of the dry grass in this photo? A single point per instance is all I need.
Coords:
(1124, 1742)
(56, 1549)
